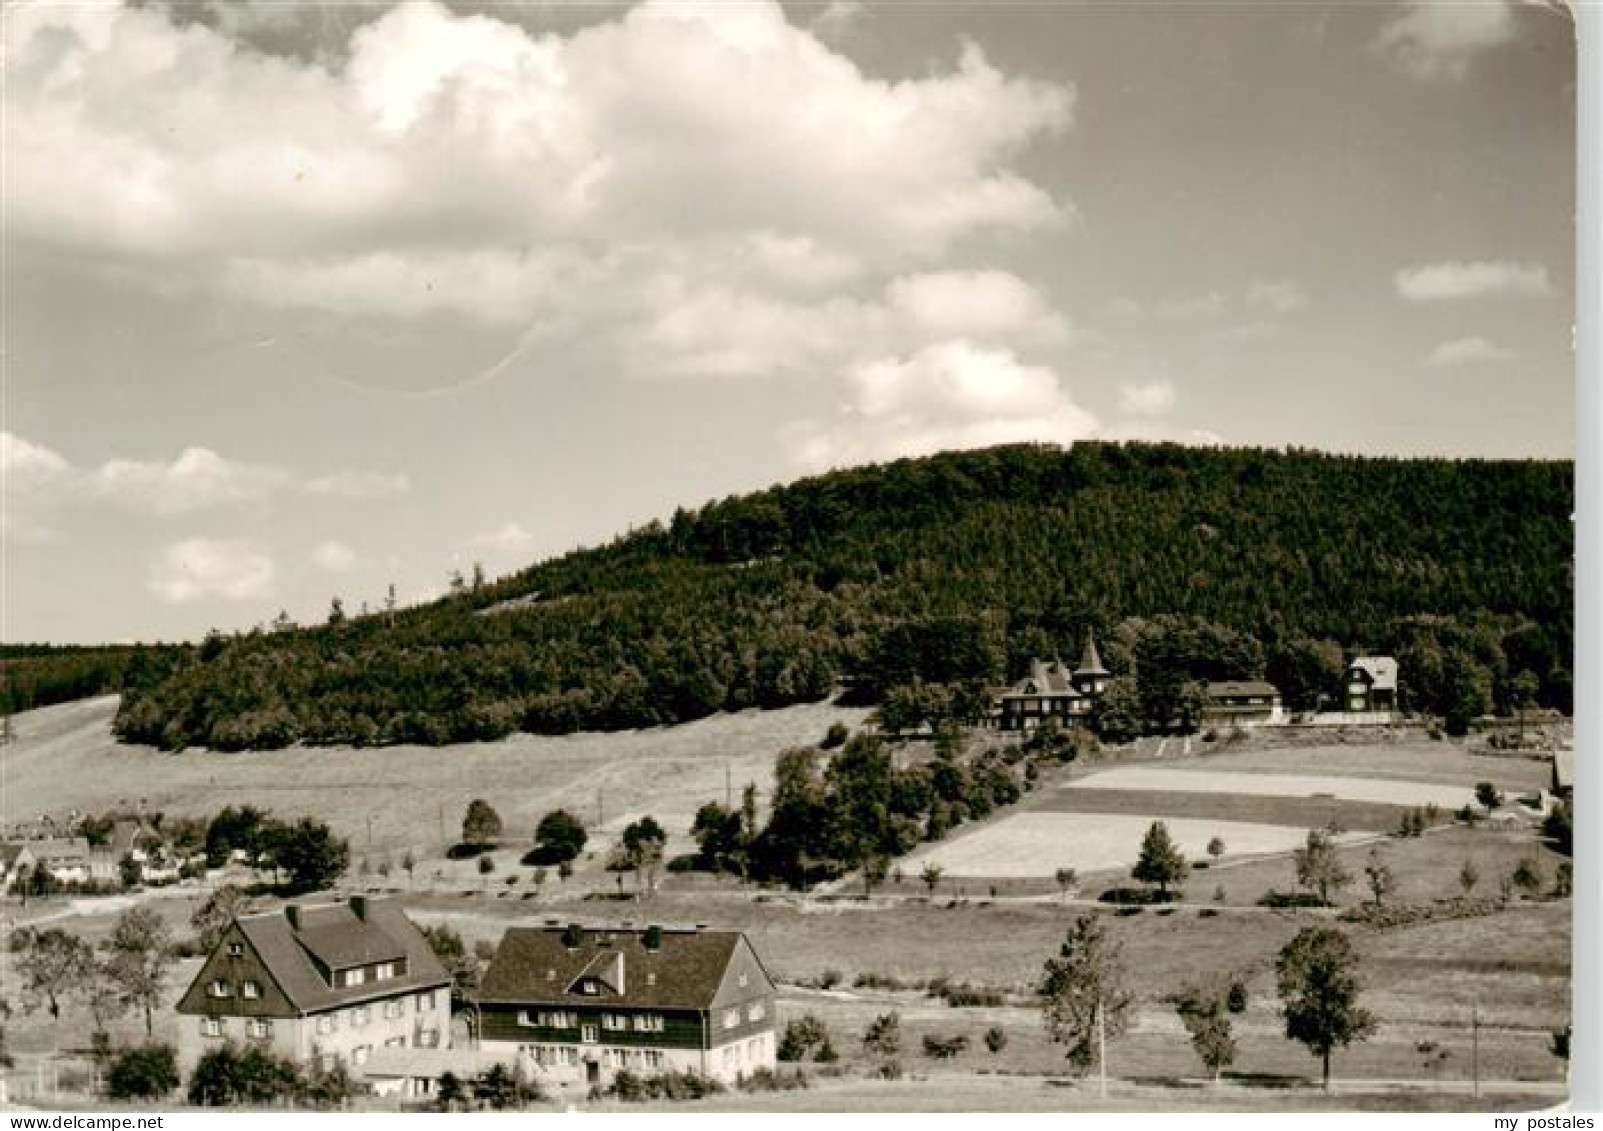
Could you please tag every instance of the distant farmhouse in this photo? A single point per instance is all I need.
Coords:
(1244, 703)
(1051, 691)
(577, 1005)
(324, 985)
(16, 861)
(1370, 685)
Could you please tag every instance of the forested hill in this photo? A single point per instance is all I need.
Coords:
(943, 574)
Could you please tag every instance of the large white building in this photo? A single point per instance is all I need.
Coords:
(325, 984)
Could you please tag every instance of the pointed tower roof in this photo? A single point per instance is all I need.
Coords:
(1090, 660)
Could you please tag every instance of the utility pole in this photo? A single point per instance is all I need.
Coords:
(600, 810)
(1101, 1048)
(370, 832)
(444, 844)
(729, 789)
(1475, 1048)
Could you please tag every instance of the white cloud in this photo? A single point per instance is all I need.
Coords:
(1467, 351)
(334, 556)
(1153, 398)
(26, 466)
(1277, 295)
(358, 485)
(974, 304)
(201, 568)
(1436, 281)
(838, 19)
(510, 539)
(1430, 41)
(199, 478)
(410, 158)
(953, 394)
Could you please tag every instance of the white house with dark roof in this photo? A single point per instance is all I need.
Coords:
(327, 984)
(1370, 684)
(579, 1004)
(1244, 703)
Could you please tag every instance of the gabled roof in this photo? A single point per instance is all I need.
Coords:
(1044, 679)
(128, 835)
(1381, 670)
(358, 933)
(1231, 689)
(61, 849)
(533, 966)
(1090, 659)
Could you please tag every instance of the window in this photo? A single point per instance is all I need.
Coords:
(426, 1039)
(355, 977)
(743, 981)
(250, 990)
(648, 1023)
(589, 987)
(653, 1058)
(425, 1003)
(559, 1020)
(236, 950)
(394, 1009)
(259, 1027)
(361, 1015)
(731, 1018)
(360, 1054)
(651, 978)
(211, 1026)
(589, 1035)
(614, 1021)
(754, 1012)
(395, 1043)
(383, 970)
(328, 1023)
(219, 988)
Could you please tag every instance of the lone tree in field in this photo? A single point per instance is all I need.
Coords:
(1487, 795)
(1086, 979)
(1319, 865)
(52, 964)
(1318, 981)
(641, 849)
(1066, 878)
(1216, 848)
(559, 838)
(481, 825)
(931, 875)
(141, 955)
(1378, 875)
(1160, 862)
(1469, 876)
(1206, 1016)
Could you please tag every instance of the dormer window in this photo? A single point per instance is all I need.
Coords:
(250, 990)
(236, 950)
(651, 978)
(355, 977)
(588, 986)
(383, 970)
(219, 988)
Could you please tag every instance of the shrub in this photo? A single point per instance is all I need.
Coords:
(769, 1080)
(147, 1073)
(804, 1035)
(1274, 898)
(829, 979)
(466, 851)
(633, 1088)
(944, 1048)
(995, 1039)
(967, 996)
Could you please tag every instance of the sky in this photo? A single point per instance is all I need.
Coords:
(303, 301)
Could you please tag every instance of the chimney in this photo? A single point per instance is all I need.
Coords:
(359, 907)
(573, 936)
(293, 914)
(652, 939)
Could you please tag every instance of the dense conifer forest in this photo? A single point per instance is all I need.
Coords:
(918, 584)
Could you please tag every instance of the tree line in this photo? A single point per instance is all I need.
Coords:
(921, 584)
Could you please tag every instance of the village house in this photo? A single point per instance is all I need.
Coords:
(322, 985)
(71, 860)
(1052, 691)
(1370, 685)
(1243, 703)
(16, 861)
(576, 1005)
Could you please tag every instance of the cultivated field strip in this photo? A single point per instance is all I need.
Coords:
(1208, 780)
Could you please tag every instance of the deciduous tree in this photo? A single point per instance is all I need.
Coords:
(1317, 974)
